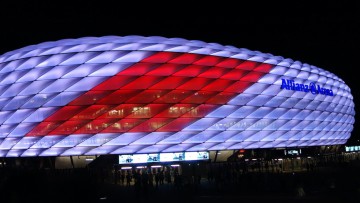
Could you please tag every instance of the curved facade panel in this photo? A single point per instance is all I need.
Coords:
(134, 94)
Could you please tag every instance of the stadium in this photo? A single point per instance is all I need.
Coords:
(152, 95)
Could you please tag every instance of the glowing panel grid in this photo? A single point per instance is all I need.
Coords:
(134, 94)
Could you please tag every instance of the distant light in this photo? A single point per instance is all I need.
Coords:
(140, 166)
(219, 153)
(280, 159)
(156, 166)
(298, 158)
(309, 157)
(103, 198)
(126, 167)
(175, 165)
(254, 159)
(90, 159)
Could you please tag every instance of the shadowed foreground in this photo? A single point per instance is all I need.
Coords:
(331, 182)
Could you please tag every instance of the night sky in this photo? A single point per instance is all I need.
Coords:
(324, 35)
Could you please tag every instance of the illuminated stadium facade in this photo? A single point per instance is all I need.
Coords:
(137, 95)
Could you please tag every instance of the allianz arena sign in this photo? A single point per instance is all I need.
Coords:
(311, 87)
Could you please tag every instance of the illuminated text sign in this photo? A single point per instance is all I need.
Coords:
(311, 87)
(162, 157)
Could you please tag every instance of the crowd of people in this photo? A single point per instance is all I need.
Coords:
(332, 178)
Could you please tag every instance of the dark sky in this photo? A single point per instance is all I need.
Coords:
(325, 35)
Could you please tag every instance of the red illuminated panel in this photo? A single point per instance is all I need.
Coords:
(146, 96)
(229, 63)
(235, 74)
(191, 71)
(90, 97)
(115, 82)
(151, 125)
(92, 112)
(143, 82)
(118, 97)
(65, 113)
(122, 111)
(195, 84)
(263, 67)
(177, 125)
(148, 111)
(170, 82)
(200, 111)
(44, 128)
(68, 127)
(123, 125)
(214, 72)
(199, 97)
(218, 85)
(221, 98)
(95, 126)
(247, 65)
(139, 69)
(252, 76)
(166, 69)
(238, 87)
(174, 96)
(176, 110)
(186, 59)
(160, 57)
(208, 61)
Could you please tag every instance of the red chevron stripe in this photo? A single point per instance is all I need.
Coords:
(164, 92)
